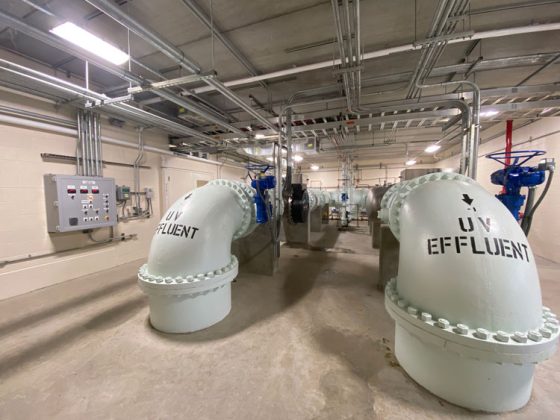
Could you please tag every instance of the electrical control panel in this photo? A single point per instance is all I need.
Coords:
(77, 202)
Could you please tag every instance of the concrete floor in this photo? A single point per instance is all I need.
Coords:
(314, 342)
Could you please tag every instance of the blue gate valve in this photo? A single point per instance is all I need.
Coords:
(262, 183)
(514, 176)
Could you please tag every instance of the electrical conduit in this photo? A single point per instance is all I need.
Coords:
(190, 266)
(470, 324)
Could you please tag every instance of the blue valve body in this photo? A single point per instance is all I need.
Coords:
(513, 178)
(261, 184)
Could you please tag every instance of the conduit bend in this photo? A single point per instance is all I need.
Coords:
(470, 324)
(190, 266)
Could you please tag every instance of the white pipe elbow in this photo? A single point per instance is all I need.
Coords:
(467, 302)
(190, 267)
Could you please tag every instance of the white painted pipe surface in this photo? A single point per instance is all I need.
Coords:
(190, 266)
(467, 303)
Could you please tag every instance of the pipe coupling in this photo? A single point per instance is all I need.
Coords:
(244, 197)
(475, 342)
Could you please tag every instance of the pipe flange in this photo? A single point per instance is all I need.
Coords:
(393, 200)
(187, 284)
(518, 347)
(244, 197)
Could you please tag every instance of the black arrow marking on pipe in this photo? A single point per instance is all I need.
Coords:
(467, 199)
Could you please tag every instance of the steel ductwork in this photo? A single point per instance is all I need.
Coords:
(190, 266)
(470, 324)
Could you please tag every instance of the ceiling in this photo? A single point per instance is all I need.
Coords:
(517, 73)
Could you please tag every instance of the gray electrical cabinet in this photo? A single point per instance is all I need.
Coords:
(77, 202)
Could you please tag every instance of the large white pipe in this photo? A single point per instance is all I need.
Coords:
(384, 52)
(470, 324)
(190, 266)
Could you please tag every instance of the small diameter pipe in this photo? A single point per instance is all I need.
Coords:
(37, 125)
(79, 146)
(29, 257)
(475, 125)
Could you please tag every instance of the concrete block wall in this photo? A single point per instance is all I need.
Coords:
(22, 206)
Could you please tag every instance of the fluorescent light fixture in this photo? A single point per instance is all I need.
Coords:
(90, 42)
(298, 158)
(259, 136)
(489, 113)
(270, 159)
(172, 145)
(410, 162)
(314, 167)
(432, 148)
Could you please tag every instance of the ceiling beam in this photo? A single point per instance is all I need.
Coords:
(209, 22)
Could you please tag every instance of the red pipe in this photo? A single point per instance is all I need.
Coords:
(509, 144)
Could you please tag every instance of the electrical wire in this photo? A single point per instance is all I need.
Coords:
(529, 217)
(111, 237)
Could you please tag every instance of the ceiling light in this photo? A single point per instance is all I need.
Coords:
(314, 167)
(432, 148)
(410, 162)
(489, 113)
(270, 159)
(298, 158)
(259, 136)
(90, 42)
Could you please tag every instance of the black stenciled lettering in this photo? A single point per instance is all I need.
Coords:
(507, 248)
(473, 246)
(444, 241)
(169, 215)
(526, 251)
(194, 231)
(159, 227)
(460, 241)
(462, 225)
(177, 231)
(489, 250)
(485, 223)
(178, 214)
(502, 251)
(516, 248)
